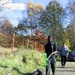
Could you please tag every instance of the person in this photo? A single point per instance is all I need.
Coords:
(50, 49)
(63, 54)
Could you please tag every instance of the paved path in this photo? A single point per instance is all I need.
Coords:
(68, 70)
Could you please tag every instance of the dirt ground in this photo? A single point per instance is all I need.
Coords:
(68, 70)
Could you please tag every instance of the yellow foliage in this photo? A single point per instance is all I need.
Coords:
(30, 4)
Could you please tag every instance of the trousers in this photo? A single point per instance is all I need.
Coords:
(51, 64)
(63, 60)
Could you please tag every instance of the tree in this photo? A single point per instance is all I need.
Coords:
(52, 21)
(41, 37)
(20, 29)
(33, 13)
(5, 26)
(71, 27)
(71, 7)
(71, 11)
(71, 35)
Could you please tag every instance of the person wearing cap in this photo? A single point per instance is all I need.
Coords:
(50, 49)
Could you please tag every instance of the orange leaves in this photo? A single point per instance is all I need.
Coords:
(36, 45)
(7, 23)
(40, 36)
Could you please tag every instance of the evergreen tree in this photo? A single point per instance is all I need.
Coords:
(52, 21)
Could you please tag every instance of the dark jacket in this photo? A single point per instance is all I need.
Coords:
(49, 48)
(63, 50)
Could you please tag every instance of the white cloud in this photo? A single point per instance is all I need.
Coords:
(8, 4)
(13, 6)
(2, 2)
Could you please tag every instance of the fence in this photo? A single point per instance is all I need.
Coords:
(30, 44)
(35, 45)
(3, 41)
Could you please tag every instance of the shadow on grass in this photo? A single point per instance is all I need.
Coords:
(4, 66)
(37, 72)
(66, 70)
(66, 67)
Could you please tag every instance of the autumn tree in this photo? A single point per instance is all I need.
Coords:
(5, 26)
(41, 37)
(5, 32)
(34, 12)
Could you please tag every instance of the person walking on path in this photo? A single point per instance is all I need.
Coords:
(50, 49)
(63, 54)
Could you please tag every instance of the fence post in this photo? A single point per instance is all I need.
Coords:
(35, 45)
(13, 41)
(27, 44)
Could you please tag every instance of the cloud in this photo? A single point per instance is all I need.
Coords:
(3, 2)
(13, 6)
(8, 4)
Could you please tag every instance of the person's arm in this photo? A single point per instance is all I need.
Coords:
(54, 52)
(67, 51)
(60, 50)
(55, 49)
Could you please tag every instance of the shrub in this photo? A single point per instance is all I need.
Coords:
(21, 62)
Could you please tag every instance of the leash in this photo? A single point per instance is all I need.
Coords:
(46, 59)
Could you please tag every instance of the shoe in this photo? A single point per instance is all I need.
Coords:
(62, 66)
(53, 73)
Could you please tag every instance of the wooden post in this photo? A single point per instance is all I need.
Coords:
(35, 45)
(13, 41)
(27, 44)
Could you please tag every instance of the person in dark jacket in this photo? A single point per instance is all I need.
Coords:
(63, 54)
(50, 49)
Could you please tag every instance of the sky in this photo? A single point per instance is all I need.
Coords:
(13, 9)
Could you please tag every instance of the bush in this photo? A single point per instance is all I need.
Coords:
(21, 62)
(58, 58)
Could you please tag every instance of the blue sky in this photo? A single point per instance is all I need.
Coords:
(16, 14)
